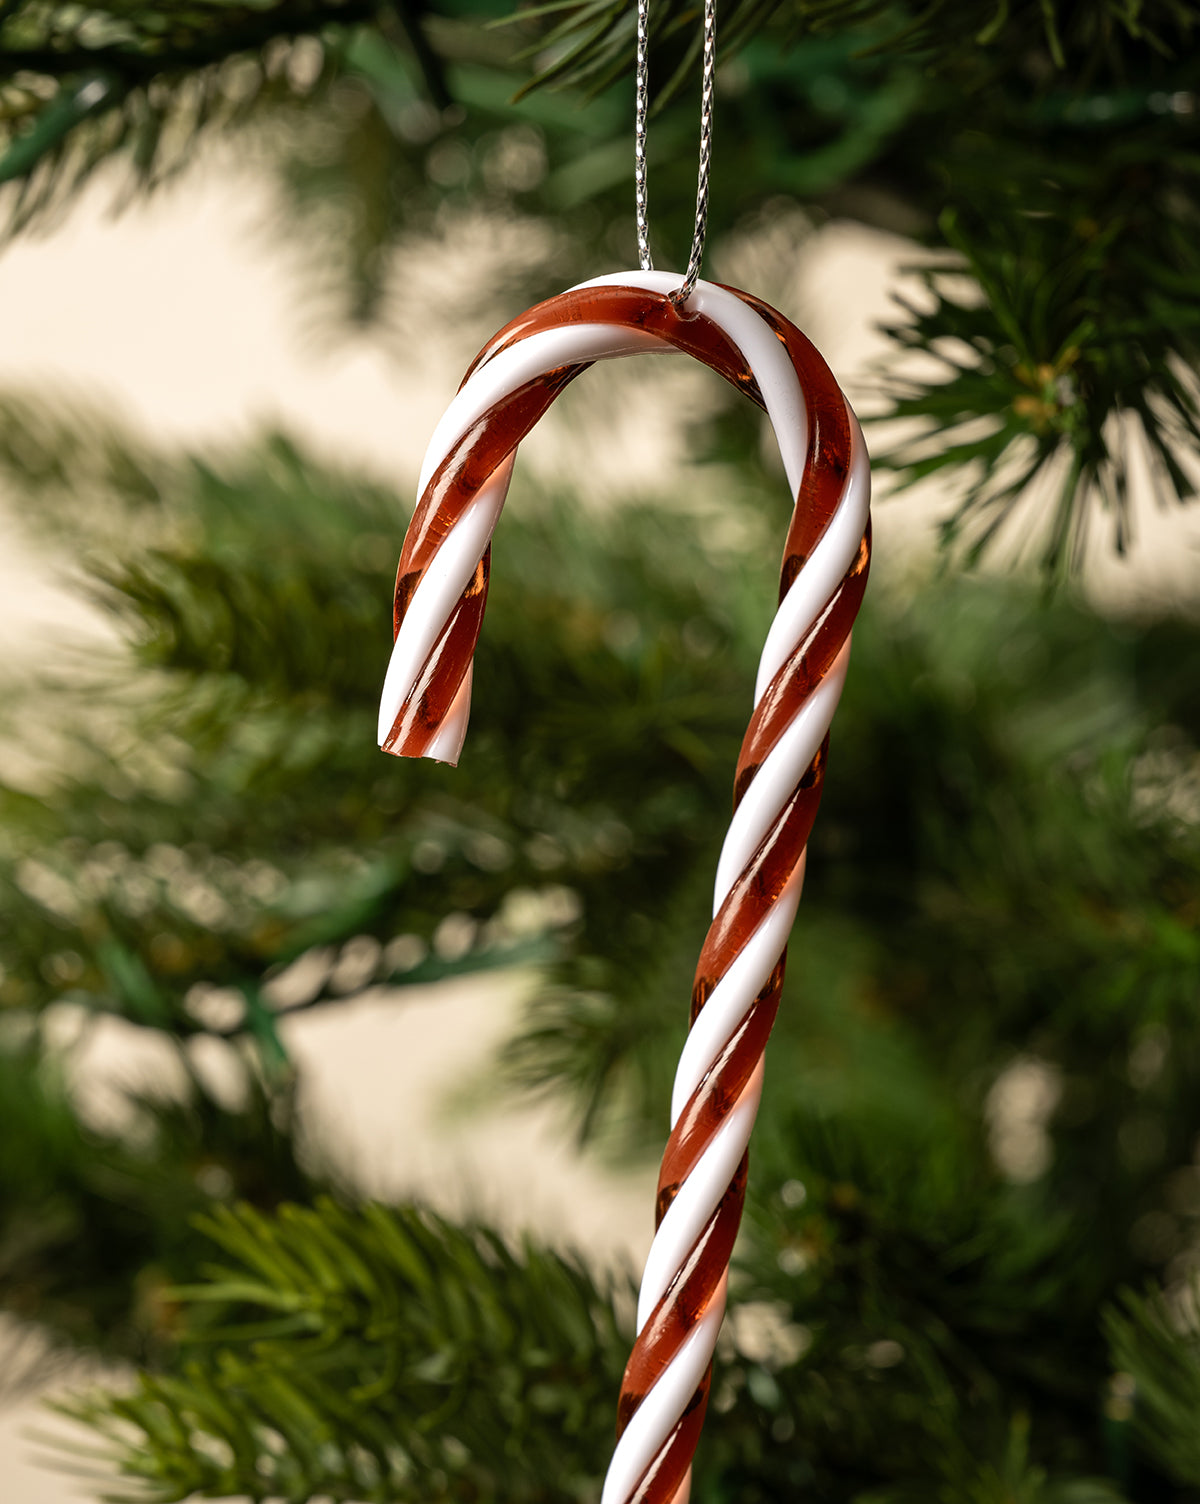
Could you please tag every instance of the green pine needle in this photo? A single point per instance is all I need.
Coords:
(374, 1355)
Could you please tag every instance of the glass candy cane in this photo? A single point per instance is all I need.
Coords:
(441, 591)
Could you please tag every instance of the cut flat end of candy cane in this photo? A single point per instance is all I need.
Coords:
(449, 758)
(446, 744)
(449, 761)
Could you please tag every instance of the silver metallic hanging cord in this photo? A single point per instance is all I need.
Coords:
(639, 135)
(684, 292)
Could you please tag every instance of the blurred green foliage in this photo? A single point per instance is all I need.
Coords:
(95, 1222)
(981, 1123)
(1045, 152)
(968, 1271)
(490, 1371)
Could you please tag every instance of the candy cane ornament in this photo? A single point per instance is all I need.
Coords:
(441, 591)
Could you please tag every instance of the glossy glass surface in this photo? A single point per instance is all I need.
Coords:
(478, 453)
(485, 446)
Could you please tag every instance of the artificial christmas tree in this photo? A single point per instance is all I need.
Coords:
(972, 1229)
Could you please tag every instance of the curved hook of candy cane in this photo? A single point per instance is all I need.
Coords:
(678, 1365)
(496, 378)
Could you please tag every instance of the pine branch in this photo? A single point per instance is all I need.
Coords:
(953, 817)
(386, 1355)
(80, 85)
(594, 39)
(1067, 188)
(95, 1224)
(1003, 883)
(1073, 351)
(167, 877)
(1155, 1393)
(597, 1035)
(374, 1355)
(154, 43)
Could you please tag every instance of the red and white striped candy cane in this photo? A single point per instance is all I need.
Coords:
(441, 590)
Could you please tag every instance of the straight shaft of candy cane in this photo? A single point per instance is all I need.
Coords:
(441, 589)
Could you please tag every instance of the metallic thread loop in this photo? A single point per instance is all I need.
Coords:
(684, 291)
(639, 135)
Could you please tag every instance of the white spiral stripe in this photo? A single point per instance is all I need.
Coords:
(651, 1424)
(698, 1197)
(778, 774)
(825, 567)
(730, 999)
(760, 348)
(433, 602)
(509, 369)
